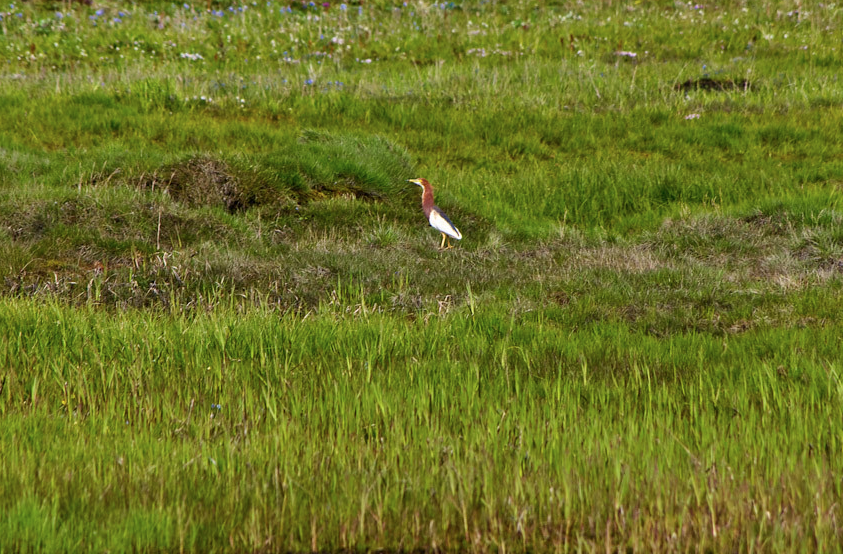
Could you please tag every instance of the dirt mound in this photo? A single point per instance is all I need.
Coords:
(201, 181)
(717, 85)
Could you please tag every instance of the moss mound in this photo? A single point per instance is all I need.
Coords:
(319, 165)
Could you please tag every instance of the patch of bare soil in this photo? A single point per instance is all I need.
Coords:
(717, 85)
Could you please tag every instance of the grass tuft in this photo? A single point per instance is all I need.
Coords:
(200, 181)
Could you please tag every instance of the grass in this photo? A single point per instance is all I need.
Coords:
(227, 326)
(470, 431)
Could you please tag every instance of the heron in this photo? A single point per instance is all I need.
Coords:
(437, 218)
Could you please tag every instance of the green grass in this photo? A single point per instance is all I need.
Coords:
(227, 327)
(477, 430)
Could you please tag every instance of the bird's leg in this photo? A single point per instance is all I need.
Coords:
(442, 246)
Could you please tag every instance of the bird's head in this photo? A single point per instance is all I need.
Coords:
(420, 182)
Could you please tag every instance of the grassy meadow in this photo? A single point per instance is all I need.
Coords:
(226, 325)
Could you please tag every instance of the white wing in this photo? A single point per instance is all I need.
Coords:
(440, 222)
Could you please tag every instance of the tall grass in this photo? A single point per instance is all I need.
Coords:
(473, 431)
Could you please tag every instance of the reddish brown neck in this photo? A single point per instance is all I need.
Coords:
(427, 199)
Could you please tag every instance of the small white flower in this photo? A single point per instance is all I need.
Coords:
(692, 116)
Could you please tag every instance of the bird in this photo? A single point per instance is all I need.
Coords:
(437, 218)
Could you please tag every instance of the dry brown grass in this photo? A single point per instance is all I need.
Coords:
(200, 181)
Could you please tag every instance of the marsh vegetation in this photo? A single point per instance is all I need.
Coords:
(227, 326)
